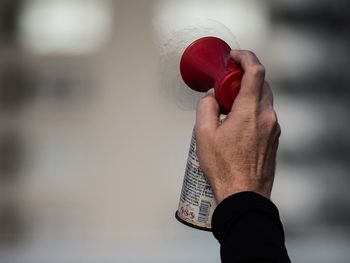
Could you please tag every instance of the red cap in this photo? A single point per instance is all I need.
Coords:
(206, 64)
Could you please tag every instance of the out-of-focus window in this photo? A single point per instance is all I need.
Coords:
(64, 26)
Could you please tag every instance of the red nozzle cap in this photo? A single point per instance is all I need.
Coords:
(206, 64)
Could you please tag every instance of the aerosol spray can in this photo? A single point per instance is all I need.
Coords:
(205, 64)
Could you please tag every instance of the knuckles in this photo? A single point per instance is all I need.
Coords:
(270, 121)
(257, 70)
(250, 54)
(208, 99)
(278, 130)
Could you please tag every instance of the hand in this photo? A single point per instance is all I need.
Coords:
(239, 154)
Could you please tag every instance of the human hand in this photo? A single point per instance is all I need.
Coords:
(239, 154)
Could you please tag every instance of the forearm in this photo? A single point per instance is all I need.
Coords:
(248, 228)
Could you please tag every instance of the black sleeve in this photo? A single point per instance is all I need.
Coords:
(248, 228)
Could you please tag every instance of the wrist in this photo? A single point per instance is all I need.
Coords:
(223, 193)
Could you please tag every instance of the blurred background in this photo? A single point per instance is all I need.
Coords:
(93, 143)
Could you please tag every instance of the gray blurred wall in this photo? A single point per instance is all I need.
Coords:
(93, 145)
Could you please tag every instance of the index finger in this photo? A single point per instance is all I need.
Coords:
(207, 115)
(253, 77)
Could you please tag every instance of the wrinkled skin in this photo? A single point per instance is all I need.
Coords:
(240, 153)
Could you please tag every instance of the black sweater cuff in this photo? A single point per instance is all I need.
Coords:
(235, 206)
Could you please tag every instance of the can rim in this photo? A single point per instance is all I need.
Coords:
(189, 224)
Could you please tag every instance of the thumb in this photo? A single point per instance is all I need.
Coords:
(207, 115)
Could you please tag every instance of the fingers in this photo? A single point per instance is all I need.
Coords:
(266, 99)
(245, 58)
(253, 77)
(207, 117)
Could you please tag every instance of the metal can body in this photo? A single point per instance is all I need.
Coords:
(197, 202)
